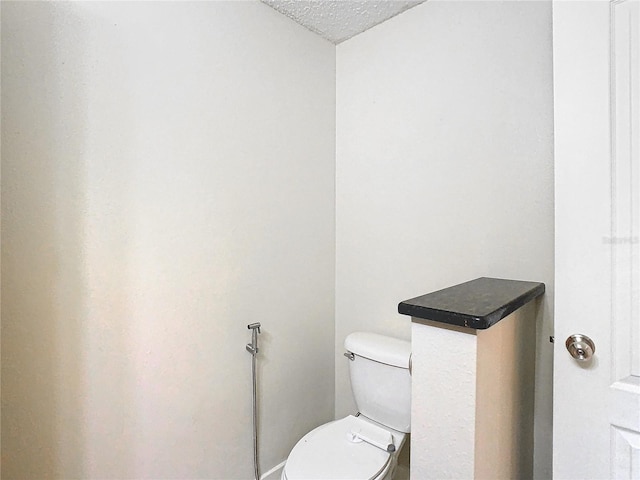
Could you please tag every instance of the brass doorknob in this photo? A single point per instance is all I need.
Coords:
(580, 347)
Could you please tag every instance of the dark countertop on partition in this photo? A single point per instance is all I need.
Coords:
(477, 304)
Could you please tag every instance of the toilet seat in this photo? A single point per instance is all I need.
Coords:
(328, 453)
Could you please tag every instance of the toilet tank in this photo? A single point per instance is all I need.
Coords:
(380, 378)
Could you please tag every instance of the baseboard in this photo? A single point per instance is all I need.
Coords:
(275, 473)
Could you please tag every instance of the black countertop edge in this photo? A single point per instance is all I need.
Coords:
(477, 304)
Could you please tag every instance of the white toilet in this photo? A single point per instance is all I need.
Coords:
(365, 446)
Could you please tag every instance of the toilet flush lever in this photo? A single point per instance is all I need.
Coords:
(350, 356)
(252, 347)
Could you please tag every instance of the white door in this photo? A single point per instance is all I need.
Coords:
(597, 154)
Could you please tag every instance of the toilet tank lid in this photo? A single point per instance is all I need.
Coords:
(380, 348)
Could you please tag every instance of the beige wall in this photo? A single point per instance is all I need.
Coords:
(477, 419)
(168, 178)
(444, 169)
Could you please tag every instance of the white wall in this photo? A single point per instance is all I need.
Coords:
(168, 178)
(444, 169)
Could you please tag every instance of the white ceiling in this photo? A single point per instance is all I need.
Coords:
(338, 20)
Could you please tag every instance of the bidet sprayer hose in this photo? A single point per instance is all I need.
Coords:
(252, 348)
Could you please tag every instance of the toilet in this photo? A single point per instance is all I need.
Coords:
(364, 446)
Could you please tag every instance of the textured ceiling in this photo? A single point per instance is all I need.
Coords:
(338, 20)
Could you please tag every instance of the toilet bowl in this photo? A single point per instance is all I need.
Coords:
(365, 446)
(330, 452)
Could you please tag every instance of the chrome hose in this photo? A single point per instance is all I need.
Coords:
(252, 348)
